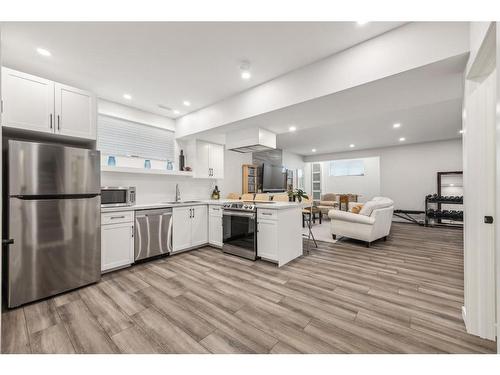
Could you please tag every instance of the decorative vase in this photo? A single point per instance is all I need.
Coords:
(111, 161)
(181, 161)
(216, 193)
(170, 165)
(147, 164)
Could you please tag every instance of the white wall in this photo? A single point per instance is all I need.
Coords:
(233, 172)
(408, 173)
(108, 108)
(368, 186)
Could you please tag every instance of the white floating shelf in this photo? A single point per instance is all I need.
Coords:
(106, 168)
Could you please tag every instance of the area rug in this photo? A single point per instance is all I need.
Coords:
(321, 232)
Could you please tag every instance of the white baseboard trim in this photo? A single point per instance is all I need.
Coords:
(464, 317)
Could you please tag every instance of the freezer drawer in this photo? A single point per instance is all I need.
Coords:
(57, 247)
(153, 233)
(49, 170)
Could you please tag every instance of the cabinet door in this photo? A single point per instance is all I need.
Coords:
(199, 226)
(215, 230)
(75, 112)
(267, 239)
(117, 245)
(202, 168)
(28, 101)
(216, 160)
(181, 228)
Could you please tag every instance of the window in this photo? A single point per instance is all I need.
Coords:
(349, 167)
(127, 138)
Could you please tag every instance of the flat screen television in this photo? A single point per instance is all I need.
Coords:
(273, 178)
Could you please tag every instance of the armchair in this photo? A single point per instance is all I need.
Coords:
(372, 223)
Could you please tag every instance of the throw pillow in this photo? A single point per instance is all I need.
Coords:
(356, 209)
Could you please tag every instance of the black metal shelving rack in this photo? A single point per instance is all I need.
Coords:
(437, 221)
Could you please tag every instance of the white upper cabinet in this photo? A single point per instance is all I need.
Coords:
(27, 101)
(209, 160)
(75, 112)
(216, 160)
(37, 104)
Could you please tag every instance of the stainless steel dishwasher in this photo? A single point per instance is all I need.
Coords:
(153, 233)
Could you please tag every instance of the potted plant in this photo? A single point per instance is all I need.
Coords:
(297, 194)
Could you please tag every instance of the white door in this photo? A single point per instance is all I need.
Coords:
(267, 239)
(75, 111)
(117, 245)
(214, 228)
(199, 226)
(181, 228)
(216, 160)
(202, 169)
(28, 101)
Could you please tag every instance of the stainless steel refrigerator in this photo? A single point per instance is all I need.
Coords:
(53, 220)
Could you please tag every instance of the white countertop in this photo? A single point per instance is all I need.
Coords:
(220, 202)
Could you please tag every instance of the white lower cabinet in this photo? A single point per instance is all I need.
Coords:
(117, 240)
(190, 227)
(215, 225)
(279, 236)
(267, 239)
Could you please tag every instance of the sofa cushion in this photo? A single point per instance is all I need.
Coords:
(350, 217)
(372, 205)
(356, 209)
(327, 203)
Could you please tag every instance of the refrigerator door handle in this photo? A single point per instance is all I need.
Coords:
(9, 241)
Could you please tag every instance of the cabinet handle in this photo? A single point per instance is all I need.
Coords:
(58, 122)
(117, 217)
(266, 213)
(50, 116)
(215, 209)
(193, 211)
(132, 231)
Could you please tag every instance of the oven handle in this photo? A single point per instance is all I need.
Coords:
(239, 214)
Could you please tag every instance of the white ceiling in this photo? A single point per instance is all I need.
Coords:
(168, 62)
(426, 101)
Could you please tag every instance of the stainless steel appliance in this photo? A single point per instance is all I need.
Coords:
(239, 229)
(153, 233)
(52, 220)
(117, 196)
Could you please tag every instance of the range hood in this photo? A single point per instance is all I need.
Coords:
(250, 140)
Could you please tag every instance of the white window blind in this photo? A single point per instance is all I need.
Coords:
(127, 138)
(349, 167)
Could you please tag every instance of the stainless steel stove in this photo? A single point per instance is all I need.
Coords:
(239, 229)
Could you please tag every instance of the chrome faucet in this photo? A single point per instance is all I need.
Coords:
(177, 193)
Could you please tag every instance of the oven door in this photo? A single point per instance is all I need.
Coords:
(239, 233)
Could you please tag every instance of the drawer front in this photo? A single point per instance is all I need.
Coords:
(215, 210)
(117, 217)
(267, 214)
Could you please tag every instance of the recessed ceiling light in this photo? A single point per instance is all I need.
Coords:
(127, 96)
(352, 145)
(402, 139)
(361, 23)
(43, 51)
(176, 112)
(461, 131)
(187, 103)
(313, 150)
(292, 128)
(245, 70)
(396, 125)
(245, 74)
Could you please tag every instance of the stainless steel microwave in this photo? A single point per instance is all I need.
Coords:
(117, 196)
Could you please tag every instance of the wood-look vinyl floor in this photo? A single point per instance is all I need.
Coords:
(400, 296)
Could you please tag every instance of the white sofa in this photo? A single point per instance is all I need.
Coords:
(372, 223)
